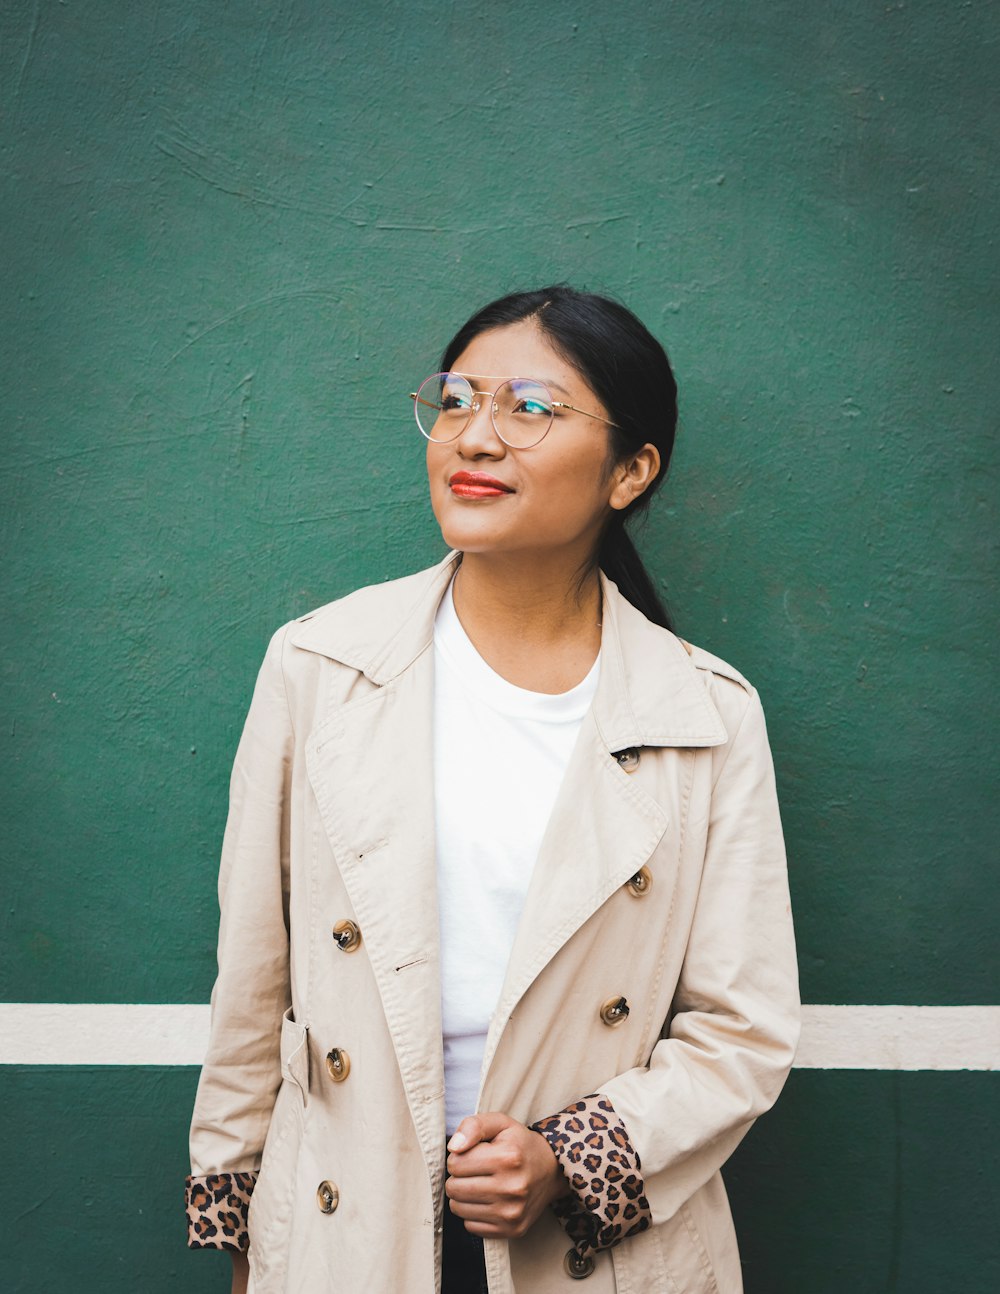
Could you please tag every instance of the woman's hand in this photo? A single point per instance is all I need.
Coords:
(501, 1175)
(241, 1273)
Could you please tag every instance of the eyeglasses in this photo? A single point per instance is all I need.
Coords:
(521, 408)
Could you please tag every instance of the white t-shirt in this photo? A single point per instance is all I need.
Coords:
(500, 754)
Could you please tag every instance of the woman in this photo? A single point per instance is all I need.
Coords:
(503, 864)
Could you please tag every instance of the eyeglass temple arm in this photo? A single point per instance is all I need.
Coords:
(415, 397)
(561, 404)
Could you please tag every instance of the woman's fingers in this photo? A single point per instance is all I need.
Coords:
(494, 1213)
(471, 1190)
(476, 1128)
(488, 1159)
(488, 1188)
(503, 1218)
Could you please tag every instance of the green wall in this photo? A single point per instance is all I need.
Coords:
(234, 236)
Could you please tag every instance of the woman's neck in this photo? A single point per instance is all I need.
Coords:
(537, 624)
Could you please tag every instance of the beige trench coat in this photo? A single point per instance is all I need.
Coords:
(331, 820)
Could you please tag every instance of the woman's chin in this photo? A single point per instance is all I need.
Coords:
(470, 535)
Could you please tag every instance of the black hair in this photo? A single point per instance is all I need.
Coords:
(628, 370)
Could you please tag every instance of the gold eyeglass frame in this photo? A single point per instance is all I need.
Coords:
(476, 406)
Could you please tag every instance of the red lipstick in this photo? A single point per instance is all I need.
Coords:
(477, 485)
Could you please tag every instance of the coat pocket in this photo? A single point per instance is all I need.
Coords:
(669, 1258)
(295, 1054)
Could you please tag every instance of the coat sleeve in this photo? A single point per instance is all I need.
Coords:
(637, 1150)
(242, 1073)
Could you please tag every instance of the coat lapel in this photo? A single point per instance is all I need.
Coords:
(370, 764)
(381, 829)
(604, 827)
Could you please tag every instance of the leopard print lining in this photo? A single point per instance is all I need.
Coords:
(603, 1169)
(217, 1210)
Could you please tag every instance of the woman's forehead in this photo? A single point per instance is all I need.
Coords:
(517, 350)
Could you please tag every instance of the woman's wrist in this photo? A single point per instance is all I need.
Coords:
(241, 1273)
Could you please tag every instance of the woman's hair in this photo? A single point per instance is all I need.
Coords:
(628, 370)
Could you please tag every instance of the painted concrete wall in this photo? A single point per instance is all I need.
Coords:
(234, 236)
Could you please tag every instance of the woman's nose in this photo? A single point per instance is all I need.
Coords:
(479, 436)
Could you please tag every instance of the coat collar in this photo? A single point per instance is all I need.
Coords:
(649, 693)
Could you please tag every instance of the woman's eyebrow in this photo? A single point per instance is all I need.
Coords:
(514, 377)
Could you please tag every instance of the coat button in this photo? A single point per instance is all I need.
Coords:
(615, 1011)
(641, 883)
(327, 1197)
(338, 1064)
(628, 759)
(577, 1267)
(347, 936)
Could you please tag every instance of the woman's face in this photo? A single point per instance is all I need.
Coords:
(553, 496)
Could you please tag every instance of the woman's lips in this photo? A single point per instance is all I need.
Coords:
(477, 485)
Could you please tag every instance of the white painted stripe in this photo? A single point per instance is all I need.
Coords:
(899, 1037)
(833, 1037)
(59, 1033)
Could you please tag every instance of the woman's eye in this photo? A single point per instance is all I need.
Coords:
(534, 407)
(454, 403)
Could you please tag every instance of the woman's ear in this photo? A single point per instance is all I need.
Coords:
(634, 476)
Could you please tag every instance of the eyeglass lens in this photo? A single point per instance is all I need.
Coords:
(522, 409)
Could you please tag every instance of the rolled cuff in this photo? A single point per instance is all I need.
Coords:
(608, 1201)
(217, 1210)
